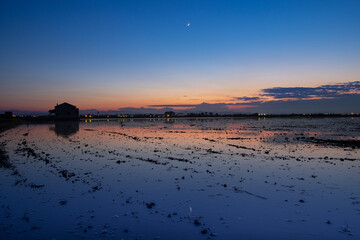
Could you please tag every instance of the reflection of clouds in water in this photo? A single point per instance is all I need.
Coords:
(159, 171)
(258, 133)
(66, 128)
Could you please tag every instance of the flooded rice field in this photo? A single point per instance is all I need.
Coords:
(182, 179)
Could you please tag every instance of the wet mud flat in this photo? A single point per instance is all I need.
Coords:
(182, 179)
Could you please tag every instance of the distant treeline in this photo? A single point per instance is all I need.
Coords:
(216, 115)
(189, 115)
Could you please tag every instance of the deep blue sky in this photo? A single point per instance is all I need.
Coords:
(139, 53)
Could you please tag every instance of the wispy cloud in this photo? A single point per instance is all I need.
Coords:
(173, 105)
(324, 91)
(340, 97)
(336, 98)
(248, 99)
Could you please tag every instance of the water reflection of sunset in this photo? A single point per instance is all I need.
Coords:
(162, 172)
(220, 134)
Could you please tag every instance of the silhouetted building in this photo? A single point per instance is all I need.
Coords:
(169, 114)
(65, 111)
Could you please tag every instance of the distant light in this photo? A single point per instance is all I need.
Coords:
(188, 24)
(86, 116)
(13, 115)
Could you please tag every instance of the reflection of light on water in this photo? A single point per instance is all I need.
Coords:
(257, 163)
(265, 134)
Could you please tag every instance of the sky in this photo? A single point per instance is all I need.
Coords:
(220, 56)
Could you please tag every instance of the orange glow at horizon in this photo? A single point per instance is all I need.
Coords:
(105, 98)
(108, 103)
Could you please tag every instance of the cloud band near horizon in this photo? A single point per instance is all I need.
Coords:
(335, 98)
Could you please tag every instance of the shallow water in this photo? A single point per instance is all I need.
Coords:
(182, 179)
